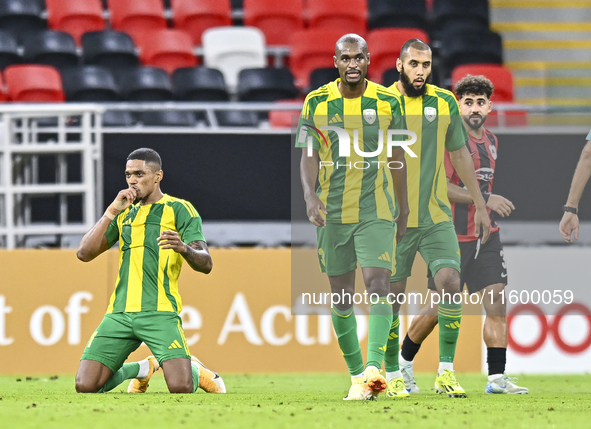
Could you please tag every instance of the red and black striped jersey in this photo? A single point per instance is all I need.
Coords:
(484, 155)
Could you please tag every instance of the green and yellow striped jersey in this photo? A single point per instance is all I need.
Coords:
(353, 188)
(148, 276)
(435, 118)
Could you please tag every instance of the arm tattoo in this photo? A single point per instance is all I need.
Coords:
(198, 257)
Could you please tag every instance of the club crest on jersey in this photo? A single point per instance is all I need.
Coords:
(430, 113)
(369, 115)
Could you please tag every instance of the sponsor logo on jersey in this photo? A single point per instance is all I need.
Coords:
(486, 174)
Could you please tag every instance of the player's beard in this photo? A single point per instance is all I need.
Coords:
(475, 125)
(409, 88)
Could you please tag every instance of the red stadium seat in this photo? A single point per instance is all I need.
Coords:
(195, 17)
(137, 17)
(33, 83)
(351, 18)
(75, 16)
(167, 49)
(384, 48)
(284, 118)
(277, 19)
(500, 76)
(312, 49)
(3, 95)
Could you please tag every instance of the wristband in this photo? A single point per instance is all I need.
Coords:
(486, 196)
(570, 209)
(109, 214)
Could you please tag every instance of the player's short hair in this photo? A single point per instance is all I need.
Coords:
(148, 155)
(350, 38)
(417, 44)
(476, 85)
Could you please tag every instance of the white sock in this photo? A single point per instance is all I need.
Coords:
(402, 361)
(371, 366)
(392, 375)
(144, 368)
(494, 377)
(353, 377)
(445, 365)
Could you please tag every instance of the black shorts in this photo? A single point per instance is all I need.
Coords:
(482, 265)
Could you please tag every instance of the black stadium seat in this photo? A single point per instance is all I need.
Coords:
(455, 15)
(390, 76)
(145, 84)
(322, 76)
(266, 84)
(22, 17)
(199, 84)
(50, 47)
(398, 13)
(89, 83)
(470, 47)
(168, 118)
(237, 118)
(113, 49)
(8, 50)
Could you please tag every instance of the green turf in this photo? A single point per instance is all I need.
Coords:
(294, 401)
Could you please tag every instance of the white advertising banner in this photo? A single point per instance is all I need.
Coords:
(549, 309)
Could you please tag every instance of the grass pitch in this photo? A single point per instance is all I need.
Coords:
(293, 401)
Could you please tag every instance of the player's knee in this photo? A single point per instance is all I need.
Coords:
(448, 280)
(181, 387)
(84, 386)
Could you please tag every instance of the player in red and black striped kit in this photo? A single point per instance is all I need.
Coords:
(483, 267)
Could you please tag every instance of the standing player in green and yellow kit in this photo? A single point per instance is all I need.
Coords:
(354, 208)
(155, 234)
(433, 114)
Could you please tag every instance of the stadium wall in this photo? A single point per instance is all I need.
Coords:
(236, 319)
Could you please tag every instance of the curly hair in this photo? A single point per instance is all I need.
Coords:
(476, 85)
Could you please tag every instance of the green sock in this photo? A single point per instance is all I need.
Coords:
(126, 372)
(393, 347)
(345, 326)
(195, 373)
(380, 321)
(449, 316)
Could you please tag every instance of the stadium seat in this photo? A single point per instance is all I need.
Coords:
(195, 17)
(284, 118)
(199, 84)
(118, 118)
(3, 95)
(8, 50)
(137, 17)
(113, 49)
(237, 118)
(168, 118)
(312, 49)
(277, 19)
(231, 49)
(390, 76)
(167, 49)
(75, 16)
(145, 84)
(320, 77)
(50, 47)
(33, 83)
(21, 17)
(500, 76)
(385, 44)
(327, 14)
(89, 83)
(266, 84)
(399, 13)
(450, 15)
(468, 47)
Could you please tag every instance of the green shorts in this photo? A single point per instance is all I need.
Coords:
(437, 244)
(119, 334)
(341, 246)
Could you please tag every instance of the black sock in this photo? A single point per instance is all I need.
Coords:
(409, 349)
(496, 358)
